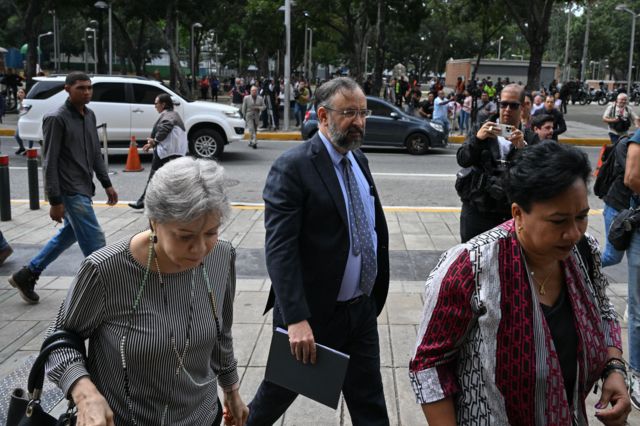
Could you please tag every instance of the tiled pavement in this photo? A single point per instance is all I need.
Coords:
(416, 239)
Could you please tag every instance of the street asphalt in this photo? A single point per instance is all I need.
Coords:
(418, 235)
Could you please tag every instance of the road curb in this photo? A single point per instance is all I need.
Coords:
(276, 136)
(456, 139)
(296, 136)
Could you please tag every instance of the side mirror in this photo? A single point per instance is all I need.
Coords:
(394, 115)
(176, 102)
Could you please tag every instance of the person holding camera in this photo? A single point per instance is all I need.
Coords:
(483, 157)
(619, 117)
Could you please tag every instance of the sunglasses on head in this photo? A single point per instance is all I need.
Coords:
(511, 105)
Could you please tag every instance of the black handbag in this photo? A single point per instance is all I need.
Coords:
(24, 407)
(623, 227)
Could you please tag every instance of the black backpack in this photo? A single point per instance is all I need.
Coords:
(608, 172)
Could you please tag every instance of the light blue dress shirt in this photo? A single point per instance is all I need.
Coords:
(440, 109)
(350, 286)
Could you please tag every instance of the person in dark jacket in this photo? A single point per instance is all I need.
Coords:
(559, 126)
(71, 157)
(483, 158)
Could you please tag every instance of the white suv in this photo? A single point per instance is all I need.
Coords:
(126, 105)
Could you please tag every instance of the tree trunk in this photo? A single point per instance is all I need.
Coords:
(169, 36)
(32, 26)
(535, 65)
(379, 56)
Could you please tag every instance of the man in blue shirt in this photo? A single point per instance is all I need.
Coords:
(441, 111)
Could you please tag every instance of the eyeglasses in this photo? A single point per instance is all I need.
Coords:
(351, 113)
(511, 105)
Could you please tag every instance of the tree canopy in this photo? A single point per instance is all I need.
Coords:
(421, 34)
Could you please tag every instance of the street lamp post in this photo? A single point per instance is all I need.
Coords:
(95, 49)
(366, 60)
(107, 5)
(56, 51)
(309, 75)
(287, 62)
(500, 46)
(193, 56)
(306, 41)
(38, 52)
(85, 54)
(624, 8)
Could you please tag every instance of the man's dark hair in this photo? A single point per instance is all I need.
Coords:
(75, 76)
(537, 121)
(166, 100)
(543, 171)
(325, 92)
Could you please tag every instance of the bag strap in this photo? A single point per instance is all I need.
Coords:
(58, 340)
(585, 253)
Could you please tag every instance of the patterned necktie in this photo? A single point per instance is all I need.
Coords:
(361, 240)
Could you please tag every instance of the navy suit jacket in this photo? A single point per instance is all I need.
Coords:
(307, 235)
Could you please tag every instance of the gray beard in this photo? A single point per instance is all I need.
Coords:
(342, 140)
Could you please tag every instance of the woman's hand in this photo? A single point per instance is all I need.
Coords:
(614, 392)
(93, 409)
(236, 411)
(150, 144)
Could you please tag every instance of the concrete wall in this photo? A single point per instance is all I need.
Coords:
(515, 70)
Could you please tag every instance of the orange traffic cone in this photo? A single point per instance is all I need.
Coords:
(133, 158)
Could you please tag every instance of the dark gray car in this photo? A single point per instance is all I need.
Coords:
(388, 125)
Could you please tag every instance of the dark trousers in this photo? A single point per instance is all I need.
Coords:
(474, 222)
(156, 163)
(353, 329)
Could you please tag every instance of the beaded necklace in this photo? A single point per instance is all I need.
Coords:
(179, 356)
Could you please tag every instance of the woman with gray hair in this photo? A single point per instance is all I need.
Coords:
(157, 309)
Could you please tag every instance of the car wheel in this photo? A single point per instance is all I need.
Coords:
(206, 143)
(417, 144)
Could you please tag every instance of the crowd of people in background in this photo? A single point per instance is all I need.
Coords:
(516, 303)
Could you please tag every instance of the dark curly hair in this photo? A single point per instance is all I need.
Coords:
(543, 171)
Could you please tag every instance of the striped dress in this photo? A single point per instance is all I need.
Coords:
(162, 391)
(501, 366)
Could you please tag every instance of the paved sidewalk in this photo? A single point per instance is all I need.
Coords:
(417, 237)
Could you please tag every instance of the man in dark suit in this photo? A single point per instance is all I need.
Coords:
(327, 254)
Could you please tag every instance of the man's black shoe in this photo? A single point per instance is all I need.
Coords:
(137, 205)
(24, 281)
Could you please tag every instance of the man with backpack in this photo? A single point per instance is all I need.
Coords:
(618, 184)
(619, 118)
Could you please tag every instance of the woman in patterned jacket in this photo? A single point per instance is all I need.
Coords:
(517, 326)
